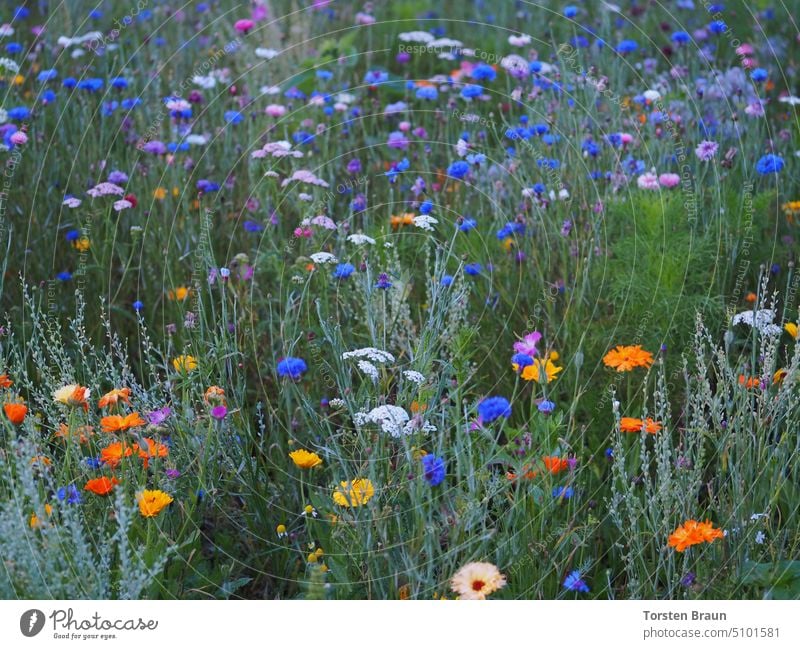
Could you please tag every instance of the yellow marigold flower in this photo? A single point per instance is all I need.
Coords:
(477, 580)
(113, 397)
(184, 363)
(304, 459)
(628, 357)
(540, 371)
(791, 329)
(82, 245)
(152, 501)
(19, 80)
(179, 294)
(159, 193)
(312, 558)
(355, 493)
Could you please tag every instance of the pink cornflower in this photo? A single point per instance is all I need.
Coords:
(669, 180)
(244, 25)
(647, 181)
(19, 138)
(706, 150)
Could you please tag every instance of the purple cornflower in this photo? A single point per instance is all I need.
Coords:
(706, 150)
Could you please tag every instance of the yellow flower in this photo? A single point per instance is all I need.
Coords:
(82, 245)
(477, 580)
(304, 459)
(35, 522)
(152, 501)
(184, 363)
(179, 294)
(791, 329)
(281, 530)
(72, 395)
(159, 193)
(355, 493)
(539, 371)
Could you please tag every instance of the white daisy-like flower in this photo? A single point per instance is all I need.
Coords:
(205, 82)
(416, 37)
(324, 258)
(8, 65)
(6, 30)
(72, 202)
(789, 99)
(761, 320)
(462, 147)
(446, 56)
(372, 353)
(344, 98)
(197, 139)
(425, 222)
(369, 369)
(391, 419)
(519, 41)
(305, 197)
(361, 239)
(266, 53)
(270, 90)
(445, 42)
(414, 376)
(651, 95)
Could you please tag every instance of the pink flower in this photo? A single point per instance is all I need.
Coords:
(404, 126)
(626, 138)
(244, 25)
(669, 180)
(122, 205)
(219, 412)
(275, 110)
(19, 138)
(528, 343)
(72, 201)
(397, 140)
(647, 181)
(744, 49)
(706, 150)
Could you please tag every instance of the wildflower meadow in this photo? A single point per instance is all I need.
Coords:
(408, 300)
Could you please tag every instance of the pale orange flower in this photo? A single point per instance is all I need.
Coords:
(113, 397)
(692, 533)
(113, 453)
(118, 423)
(634, 425)
(628, 357)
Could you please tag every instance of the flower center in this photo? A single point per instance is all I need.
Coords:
(478, 585)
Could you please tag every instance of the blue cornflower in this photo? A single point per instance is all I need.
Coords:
(73, 235)
(434, 469)
(383, 282)
(343, 271)
(64, 276)
(680, 37)
(426, 207)
(546, 407)
(324, 75)
(69, 82)
(570, 11)
(483, 72)
(447, 280)
(472, 269)
(492, 408)
(458, 169)
(93, 462)
(610, 453)
(717, 27)
(758, 75)
(138, 306)
(233, 116)
(467, 224)
(523, 360)
(563, 492)
(574, 582)
(47, 75)
(14, 48)
(90, 85)
(252, 226)
(48, 96)
(769, 164)
(534, 66)
(471, 90)
(21, 13)
(19, 113)
(118, 82)
(70, 494)
(374, 77)
(292, 367)
(206, 186)
(627, 46)
(427, 92)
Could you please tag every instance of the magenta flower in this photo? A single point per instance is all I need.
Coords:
(528, 344)
(244, 25)
(219, 412)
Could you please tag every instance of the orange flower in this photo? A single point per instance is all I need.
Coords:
(214, 395)
(400, 220)
(692, 533)
(15, 412)
(555, 464)
(179, 294)
(83, 433)
(634, 425)
(72, 395)
(5, 382)
(154, 449)
(117, 423)
(113, 397)
(113, 453)
(528, 473)
(750, 297)
(628, 357)
(749, 382)
(101, 486)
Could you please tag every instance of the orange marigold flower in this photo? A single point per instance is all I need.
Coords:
(634, 425)
(117, 423)
(113, 397)
(215, 395)
(179, 294)
(101, 486)
(628, 357)
(692, 533)
(749, 382)
(15, 412)
(154, 449)
(81, 433)
(5, 382)
(72, 395)
(555, 464)
(528, 473)
(750, 297)
(113, 453)
(152, 501)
